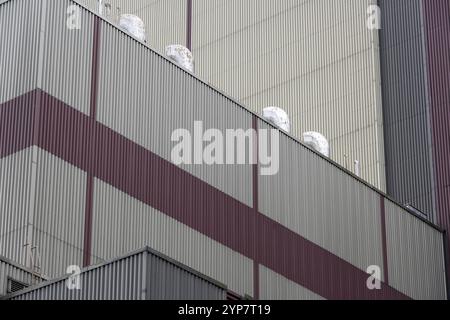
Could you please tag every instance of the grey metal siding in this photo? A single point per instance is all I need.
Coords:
(406, 110)
(15, 186)
(142, 98)
(415, 255)
(65, 58)
(315, 59)
(59, 214)
(19, 29)
(323, 204)
(10, 270)
(165, 20)
(145, 98)
(138, 276)
(122, 224)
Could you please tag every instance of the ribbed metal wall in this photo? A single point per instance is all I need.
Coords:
(316, 59)
(9, 269)
(406, 111)
(276, 287)
(142, 98)
(19, 28)
(165, 20)
(15, 187)
(323, 204)
(65, 56)
(437, 17)
(146, 98)
(122, 224)
(140, 276)
(415, 255)
(58, 214)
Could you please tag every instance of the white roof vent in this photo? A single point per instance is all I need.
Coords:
(133, 25)
(317, 142)
(182, 56)
(278, 117)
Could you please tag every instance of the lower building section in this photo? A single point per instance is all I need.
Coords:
(142, 275)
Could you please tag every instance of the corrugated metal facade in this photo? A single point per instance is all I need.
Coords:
(11, 270)
(123, 224)
(251, 49)
(165, 20)
(406, 109)
(315, 59)
(411, 246)
(437, 17)
(104, 173)
(325, 205)
(145, 275)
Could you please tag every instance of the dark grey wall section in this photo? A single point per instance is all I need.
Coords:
(142, 275)
(405, 106)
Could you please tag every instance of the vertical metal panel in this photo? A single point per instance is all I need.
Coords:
(15, 173)
(138, 276)
(67, 54)
(315, 59)
(122, 224)
(405, 106)
(276, 287)
(165, 20)
(415, 255)
(9, 269)
(437, 24)
(59, 218)
(323, 204)
(146, 98)
(19, 29)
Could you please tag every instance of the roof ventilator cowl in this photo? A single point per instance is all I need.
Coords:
(182, 56)
(134, 26)
(278, 117)
(317, 142)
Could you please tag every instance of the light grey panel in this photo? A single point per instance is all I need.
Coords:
(315, 59)
(15, 187)
(58, 214)
(19, 38)
(415, 255)
(165, 20)
(66, 58)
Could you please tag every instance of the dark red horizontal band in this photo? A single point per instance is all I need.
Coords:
(136, 171)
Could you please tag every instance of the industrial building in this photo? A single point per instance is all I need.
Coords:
(87, 114)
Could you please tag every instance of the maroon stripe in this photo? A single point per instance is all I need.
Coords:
(90, 178)
(383, 239)
(95, 67)
(70, 134)
(189, 25)
(437, 25)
